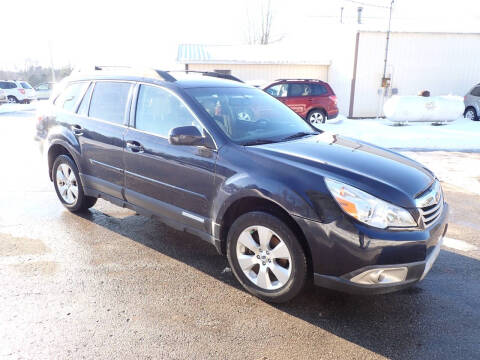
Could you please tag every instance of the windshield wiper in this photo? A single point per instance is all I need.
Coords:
(298, 135)
(258, 142)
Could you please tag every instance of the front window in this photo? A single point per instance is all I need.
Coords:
(250, 116)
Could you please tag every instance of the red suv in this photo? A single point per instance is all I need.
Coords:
(314, 100)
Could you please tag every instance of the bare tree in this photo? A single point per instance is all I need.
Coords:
(259, 23)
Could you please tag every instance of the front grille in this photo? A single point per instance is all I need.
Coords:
(430, 204)
(430, 213)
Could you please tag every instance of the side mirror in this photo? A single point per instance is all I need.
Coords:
(186, 135)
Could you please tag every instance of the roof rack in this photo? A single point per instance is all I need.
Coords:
(209, 73)
(164, 75)
(294, 79)
(128, 70)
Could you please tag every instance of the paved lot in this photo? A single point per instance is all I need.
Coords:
(112, 284)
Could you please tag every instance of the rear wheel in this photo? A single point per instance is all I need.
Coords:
(68, 186)
(12, 99)
(471, 114)
(316, 118)
(266, 257)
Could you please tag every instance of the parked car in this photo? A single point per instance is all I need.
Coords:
(313, 100)
(3, 97)
(44, 90)
(18, 91)
(472, 103)
(285, 203)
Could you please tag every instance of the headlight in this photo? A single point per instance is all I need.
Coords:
(367, 208)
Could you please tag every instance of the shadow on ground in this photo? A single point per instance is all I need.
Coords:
(438, 318)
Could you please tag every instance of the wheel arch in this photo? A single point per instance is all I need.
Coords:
(251, 203)
(54, 151)
(317, 108)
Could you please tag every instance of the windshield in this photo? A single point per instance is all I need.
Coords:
(250, 116)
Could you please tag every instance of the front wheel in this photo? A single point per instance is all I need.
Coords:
(68, 186)
(266, 257)
(316, 118)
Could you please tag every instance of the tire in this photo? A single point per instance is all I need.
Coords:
(68, 185)
(12, 99)
(471, 113)
(316, 118)
(281, 255)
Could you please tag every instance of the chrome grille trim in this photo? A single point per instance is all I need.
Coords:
(430, 204)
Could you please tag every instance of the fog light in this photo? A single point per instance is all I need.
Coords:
(381, 276)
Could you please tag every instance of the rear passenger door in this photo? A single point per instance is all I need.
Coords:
(299, 98)
(175, 182)
(100, 130)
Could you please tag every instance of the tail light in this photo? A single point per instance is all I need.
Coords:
(333, 98)
(22, 91)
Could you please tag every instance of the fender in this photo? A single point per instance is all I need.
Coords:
(242, 185)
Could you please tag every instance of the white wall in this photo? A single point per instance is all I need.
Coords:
(438, 62)
(267, 73)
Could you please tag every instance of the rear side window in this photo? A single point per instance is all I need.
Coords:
(25, 85)
(299, 90)
(42, 87)
(158, 111)
(69, 98)
(476, 91)
(319, 89)
(109, 100)
(7, 85)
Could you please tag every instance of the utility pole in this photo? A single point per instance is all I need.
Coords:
(359, 14)
(341, 15)
(386, 47)
(51, 61)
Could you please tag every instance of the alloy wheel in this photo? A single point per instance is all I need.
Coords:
(67, 184)
(316, 119)
(264, 257)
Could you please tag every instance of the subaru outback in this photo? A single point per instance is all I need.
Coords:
(284, 202)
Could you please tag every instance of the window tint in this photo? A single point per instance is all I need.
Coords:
(476, 91)
(158, 111)
(69, 98)
(109, 100)
(25, 85)
(83, 108)
(7, 85)
(299, 90)
(279, 90)
(319, 89)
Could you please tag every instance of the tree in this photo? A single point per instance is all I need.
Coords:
(259, 23)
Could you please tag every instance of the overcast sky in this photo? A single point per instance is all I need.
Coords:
(148, 32)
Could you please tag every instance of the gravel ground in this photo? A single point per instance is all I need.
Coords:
(112, 284)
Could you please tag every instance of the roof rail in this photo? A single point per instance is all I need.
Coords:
(294, 79)
(209, 73)
(128, 70)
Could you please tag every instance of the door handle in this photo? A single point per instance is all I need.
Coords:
(77, 129)
(135, 146)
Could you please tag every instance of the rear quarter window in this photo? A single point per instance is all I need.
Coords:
(319, 89)
(476, 91)
(25, 85)
(69, 97)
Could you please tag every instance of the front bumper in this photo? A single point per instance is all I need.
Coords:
(343, 251)
(416, 271)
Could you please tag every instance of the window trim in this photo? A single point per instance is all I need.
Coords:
(134, 112)
(77, 104)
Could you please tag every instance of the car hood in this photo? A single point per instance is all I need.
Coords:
(380, 172)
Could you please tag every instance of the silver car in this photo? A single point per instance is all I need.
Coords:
(3, 97)
(472, 103)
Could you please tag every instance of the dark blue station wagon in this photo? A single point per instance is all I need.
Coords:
(286, 203)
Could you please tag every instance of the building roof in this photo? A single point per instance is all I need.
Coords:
(248, 54)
